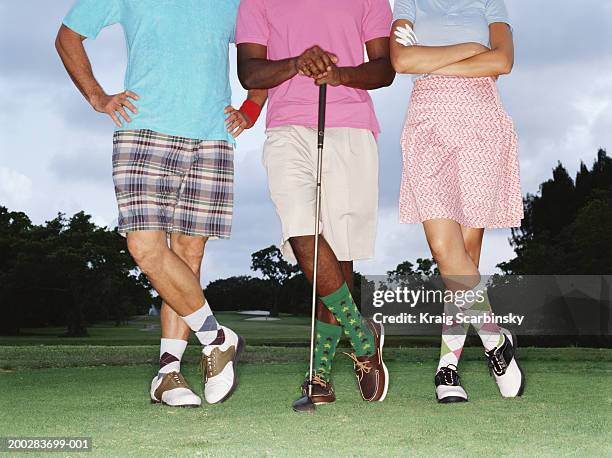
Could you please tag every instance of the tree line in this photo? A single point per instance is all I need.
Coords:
(70, 272)
(65, 272)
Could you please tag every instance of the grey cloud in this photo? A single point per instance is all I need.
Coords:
(564, 58)
(27, 40)
(549, 32)
(88, 165)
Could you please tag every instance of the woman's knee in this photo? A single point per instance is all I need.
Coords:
(472, 240)
(473, 250)
(445, 250)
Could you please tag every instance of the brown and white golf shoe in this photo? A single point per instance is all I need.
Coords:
(171, 389)
(218, 366)
(370, 370)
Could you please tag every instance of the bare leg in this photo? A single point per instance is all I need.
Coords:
(172, 326)
(472, 239)
(460, 272)
(347, 272)
(191, 251)
(329, 276)
(488, 333)
(445, 239)
(171, 277)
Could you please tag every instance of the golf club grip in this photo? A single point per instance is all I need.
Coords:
(322, 104)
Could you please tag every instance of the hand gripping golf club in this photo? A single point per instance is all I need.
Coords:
(305, 404)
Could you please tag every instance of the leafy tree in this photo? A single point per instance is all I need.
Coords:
(406, 269)
(567, 228)
(13, 228)
(65, 272)
(275, 269)
(239, 293)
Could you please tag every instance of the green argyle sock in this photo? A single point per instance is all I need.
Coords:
(326, 341)
(342, 305)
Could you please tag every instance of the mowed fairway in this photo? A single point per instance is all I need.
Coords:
(565, 410)
(97, 386)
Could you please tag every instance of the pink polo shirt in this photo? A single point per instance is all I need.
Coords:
(342, 27)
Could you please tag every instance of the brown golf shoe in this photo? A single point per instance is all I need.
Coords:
(370, 370)
(322, 391)
(172, 389)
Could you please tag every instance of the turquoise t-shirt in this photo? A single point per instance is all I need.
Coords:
(178, 60)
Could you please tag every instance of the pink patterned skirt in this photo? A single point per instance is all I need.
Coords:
(460, 155)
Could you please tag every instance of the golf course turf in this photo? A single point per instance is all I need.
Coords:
(102, 392)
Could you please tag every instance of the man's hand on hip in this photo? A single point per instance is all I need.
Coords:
(115, 105)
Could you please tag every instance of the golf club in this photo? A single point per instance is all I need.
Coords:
(305, 404)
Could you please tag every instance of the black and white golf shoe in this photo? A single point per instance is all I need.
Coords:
(504, 367)
(448, 386)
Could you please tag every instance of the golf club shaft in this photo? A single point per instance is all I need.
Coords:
(320, 138)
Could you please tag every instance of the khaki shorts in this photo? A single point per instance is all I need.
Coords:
(349, 206)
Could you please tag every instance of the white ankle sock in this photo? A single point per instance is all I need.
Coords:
(204, 324)
(170, 355)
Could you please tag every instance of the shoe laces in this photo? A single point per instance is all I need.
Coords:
(208, 364)
(362, 366)
(496, 362)
(317, 380)
(450, 375)
(178, 378)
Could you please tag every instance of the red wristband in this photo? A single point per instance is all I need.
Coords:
(251, 110)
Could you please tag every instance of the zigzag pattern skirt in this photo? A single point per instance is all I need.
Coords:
(460, 154)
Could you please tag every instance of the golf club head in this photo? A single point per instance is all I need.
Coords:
(304, 405)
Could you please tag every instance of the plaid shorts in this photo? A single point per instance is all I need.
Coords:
(173, 184)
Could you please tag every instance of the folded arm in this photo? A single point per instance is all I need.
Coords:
(428, 59)
(497, 61)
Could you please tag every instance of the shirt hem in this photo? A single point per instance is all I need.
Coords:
(403, 17)
(89, 35)
(368, 127)
(378, 34)
(506, 21)
(492, 20)
(179, 133)
(255, 40)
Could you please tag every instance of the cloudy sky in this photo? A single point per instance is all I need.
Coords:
(55, 152)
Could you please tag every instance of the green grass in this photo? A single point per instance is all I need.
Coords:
(58, 356)
(146, 330)
(98, 386)
(565, 410)
(290, 330)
